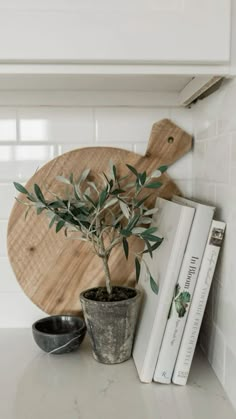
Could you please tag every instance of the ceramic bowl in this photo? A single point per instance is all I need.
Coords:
(59, 334)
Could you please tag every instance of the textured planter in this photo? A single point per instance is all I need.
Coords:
(111, 327)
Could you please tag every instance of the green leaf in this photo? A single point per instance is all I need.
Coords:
(181, 303)
(154, 286)
(111, 203)
(156, 173)
(90, 200)
(76, 193)
(20, 188)
(139, 203)
(57, 204)
(149, 247)
(138, 230)
(153, 185)
(149, 230)
(71, 178)
(185, 296)
(39, 210)
(152, 238)
(163, 168)
(126, 247)
(125, 209)
(153, 247)
(113, 171)
(52, 221)
(132, 223)
(62, 179)
(27, 212)
(132, 169)
(102, 197)
(145, 220)
(180, 308)
(129, 185)
(125, 232)
(38, 193)
(93, 185)
(117, 191)
(60, 225)
(105, 176)
(142, 178)
(83, 176)
(137, 268)
(151, 211)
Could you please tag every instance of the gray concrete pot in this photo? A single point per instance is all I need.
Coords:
(111, 327)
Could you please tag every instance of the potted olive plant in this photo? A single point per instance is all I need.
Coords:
(106, 212)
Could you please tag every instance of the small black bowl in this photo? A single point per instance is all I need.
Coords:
(59, 334)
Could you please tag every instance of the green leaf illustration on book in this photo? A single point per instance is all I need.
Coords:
(180, 301)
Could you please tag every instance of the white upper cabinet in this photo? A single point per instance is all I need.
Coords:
(115, 31)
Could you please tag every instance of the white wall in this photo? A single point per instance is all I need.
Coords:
(214, 181)
(32, 135)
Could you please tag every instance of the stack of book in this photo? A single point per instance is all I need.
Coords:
(183, 268)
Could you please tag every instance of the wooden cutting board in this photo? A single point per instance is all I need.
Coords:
(53, 270)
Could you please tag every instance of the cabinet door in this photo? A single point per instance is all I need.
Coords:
(115, 31)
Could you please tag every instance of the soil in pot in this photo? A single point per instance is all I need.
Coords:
(111, 322)
(118, 294)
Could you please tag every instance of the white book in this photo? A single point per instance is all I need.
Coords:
(173, 222)
(197, 308)
(184, 289)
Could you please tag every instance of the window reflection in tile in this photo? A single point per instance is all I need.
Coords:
(7, 129)
(21, 162)
(6, 153)
(56, 125)
(31, 153)
(34, 129)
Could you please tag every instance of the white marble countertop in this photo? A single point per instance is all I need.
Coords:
(34, 385)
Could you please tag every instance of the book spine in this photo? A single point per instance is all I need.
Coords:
(183, 294)
(161, 316)
(190, 336)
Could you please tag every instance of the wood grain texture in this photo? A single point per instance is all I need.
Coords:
(53, 270)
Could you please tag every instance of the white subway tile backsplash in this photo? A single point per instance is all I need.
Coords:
(204, 192)
(56, 124)
(3, 238)
(216, 154)
(182, 169)
(126, 124)
(230, 375)
(216, 352)
(8, 125)
(141, 148)
(21, 161)
(64, 148)
(233, 176)
(199, 160)
(7, 194)
(205, 127)
(183, 118)
(217, 160)
(185, 187)
(233, 150)
(8, 282)
(224, 309)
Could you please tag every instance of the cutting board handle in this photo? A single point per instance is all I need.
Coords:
(168, 142)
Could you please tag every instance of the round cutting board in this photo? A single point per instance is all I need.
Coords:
(53, 270)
